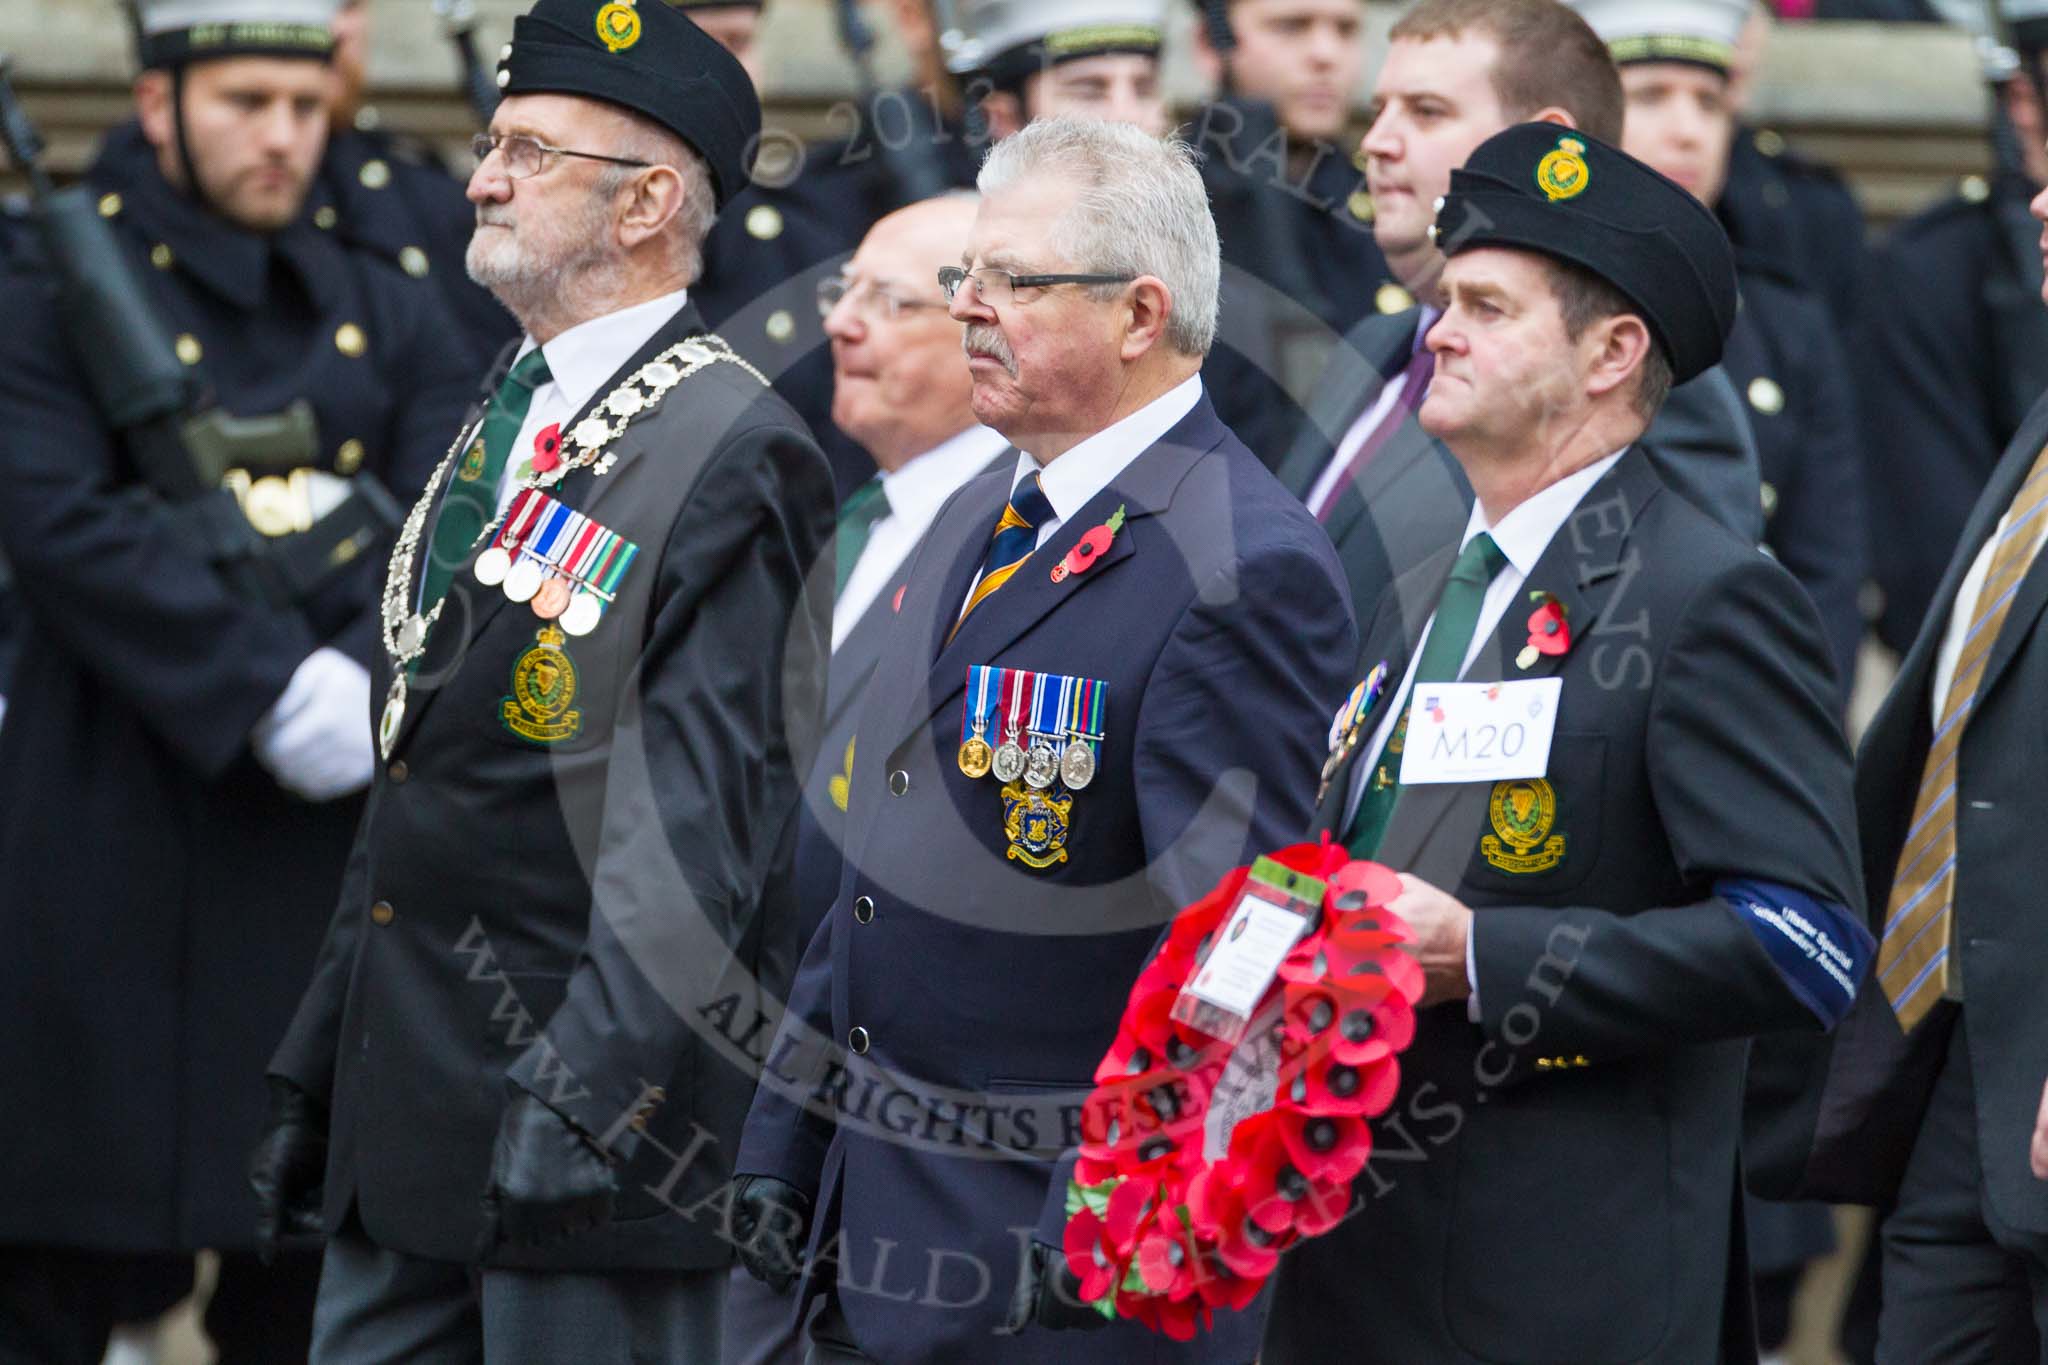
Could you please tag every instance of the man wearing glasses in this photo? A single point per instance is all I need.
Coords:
(900, 388)
(597, 657)
(1135, 602)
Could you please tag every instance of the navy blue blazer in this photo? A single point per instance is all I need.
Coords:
(948, 1017)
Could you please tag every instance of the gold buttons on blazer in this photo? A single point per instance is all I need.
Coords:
(382, 914)
(350, 340)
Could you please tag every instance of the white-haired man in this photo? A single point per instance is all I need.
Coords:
(549, 886)
(1167, 677)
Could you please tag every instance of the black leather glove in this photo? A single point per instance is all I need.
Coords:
(1049, 1296)
(771, 1220)
(548, 1181)
(288, 1168)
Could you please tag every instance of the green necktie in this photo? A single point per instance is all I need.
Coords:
(472, 498)
(1443, 659)
(863, 507)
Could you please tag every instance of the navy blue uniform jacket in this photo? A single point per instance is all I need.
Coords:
(986, 992)
(164, 897)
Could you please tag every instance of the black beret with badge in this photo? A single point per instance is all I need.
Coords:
(1556, 191)
(647, 57)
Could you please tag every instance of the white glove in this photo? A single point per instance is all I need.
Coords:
(316, 740)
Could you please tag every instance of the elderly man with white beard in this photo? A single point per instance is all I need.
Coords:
(600, 658)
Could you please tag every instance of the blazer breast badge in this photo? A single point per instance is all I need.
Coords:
(1523, 812)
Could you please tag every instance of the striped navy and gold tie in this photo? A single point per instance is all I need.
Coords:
(1015, 537)
(1913, 962)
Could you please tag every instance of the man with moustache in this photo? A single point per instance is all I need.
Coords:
(1456, 72)
(1666, 871)
(901, 389)
(988, 922)
(598, 659)
(185, 743)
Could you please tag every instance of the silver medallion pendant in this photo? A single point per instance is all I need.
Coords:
(393, 717)
(1077, 765)
(1008, 764)
(1042, 766)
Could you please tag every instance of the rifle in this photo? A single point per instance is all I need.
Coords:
(458, 21)
(183, 446)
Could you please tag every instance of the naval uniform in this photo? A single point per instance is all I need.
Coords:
(970, 962)
(164, 897)
(1799, 213)
(1785, 361)
(1951, 363)
(797, 222)
(380, 193)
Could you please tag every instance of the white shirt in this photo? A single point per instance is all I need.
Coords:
(1326, 487)
(580, 360)
(1070, 481)
(1522, 535)
(915, 492)
(1958, 632)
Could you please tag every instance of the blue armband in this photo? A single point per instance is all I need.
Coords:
(1821, 951)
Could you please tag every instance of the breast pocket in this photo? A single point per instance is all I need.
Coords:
(1540, 836)
(544, 689)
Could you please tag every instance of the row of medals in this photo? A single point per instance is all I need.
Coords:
(552, 595)
(1039, 765)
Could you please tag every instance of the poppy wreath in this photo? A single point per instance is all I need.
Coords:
(1164, 1228)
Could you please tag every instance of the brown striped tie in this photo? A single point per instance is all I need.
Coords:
(1913, 963)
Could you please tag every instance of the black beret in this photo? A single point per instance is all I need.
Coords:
(648, 58)
(1546, 188)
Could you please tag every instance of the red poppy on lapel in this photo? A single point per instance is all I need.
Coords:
(1089, 548)
(547, 448)
(1549, 632)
